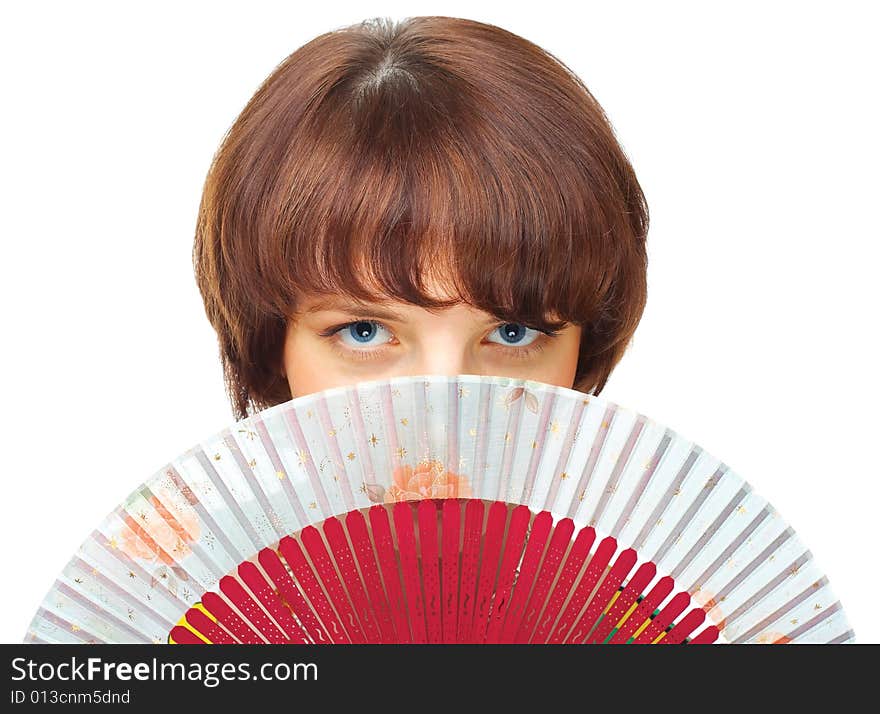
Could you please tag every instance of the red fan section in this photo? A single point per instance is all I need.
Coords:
(444, 571)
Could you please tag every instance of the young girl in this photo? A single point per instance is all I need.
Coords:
(429, 196)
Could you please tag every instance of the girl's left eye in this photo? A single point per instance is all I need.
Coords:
(514, 334)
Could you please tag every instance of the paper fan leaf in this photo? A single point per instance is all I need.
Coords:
(447, 516)
(375, 492)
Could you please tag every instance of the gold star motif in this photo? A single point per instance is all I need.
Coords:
(404, 421)
(374, 439)
(130, 574)
(395, 392)
(794, 621)
(74, 628)
(585, 401)
(216, 457)
(582, 496)
(113, 543)
(817, 606)
(741, 510)
(676, 492)
(313, 505)
(507, 436)
(611, 489)
(401, 452)
(252, 463)
(604, 424)
(563, 475)
(463, 392)
(351, 456)
(310, 414)
(554, 426)
(363, 488)
(332, 432)
(534, 444)
(280, 475)
(472, 431)
(794, 569)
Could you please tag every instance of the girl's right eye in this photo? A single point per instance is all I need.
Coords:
(363, 333)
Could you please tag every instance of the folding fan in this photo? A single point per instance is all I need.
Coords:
(443, 509)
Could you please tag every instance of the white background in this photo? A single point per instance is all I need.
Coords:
(753, 130)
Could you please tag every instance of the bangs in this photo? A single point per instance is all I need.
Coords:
(395, 196)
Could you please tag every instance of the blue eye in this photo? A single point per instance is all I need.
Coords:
(513, 333)
(363, 332)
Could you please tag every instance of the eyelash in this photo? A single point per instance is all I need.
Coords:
(515, 352)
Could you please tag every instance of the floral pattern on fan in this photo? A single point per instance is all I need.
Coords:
(428, 479)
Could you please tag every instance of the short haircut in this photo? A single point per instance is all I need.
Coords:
(385, 151)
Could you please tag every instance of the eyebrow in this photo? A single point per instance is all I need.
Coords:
(372, 309)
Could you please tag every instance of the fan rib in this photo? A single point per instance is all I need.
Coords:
(528, 568)
(787, 572)
(249, 477)
(280, 470)
(293, 554)
(409, 565)
(381, 527)
(640, 618)
(595, 451)
(363, 547)
(620, 465)
(212, 631)
(272, 603)
(513, 551)
(600, 602)
(577, 556)
(489, 564)
(451, 535)
(357, 602)
(234, 508)
(427, 515)
(584, 591)
(679, 632)
(291, 596)
(251, 611)
(329, 578)
(663, 619)
(623, 605)
(473, 526)
(559, 543)
(782, 610)
(237, 627)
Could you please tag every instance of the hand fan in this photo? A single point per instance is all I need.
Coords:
(443, 509)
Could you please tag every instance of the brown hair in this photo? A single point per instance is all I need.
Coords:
(378, 153)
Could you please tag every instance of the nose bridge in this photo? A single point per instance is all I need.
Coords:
(444, 349)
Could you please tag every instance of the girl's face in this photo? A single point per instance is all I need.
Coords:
(335, 342)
